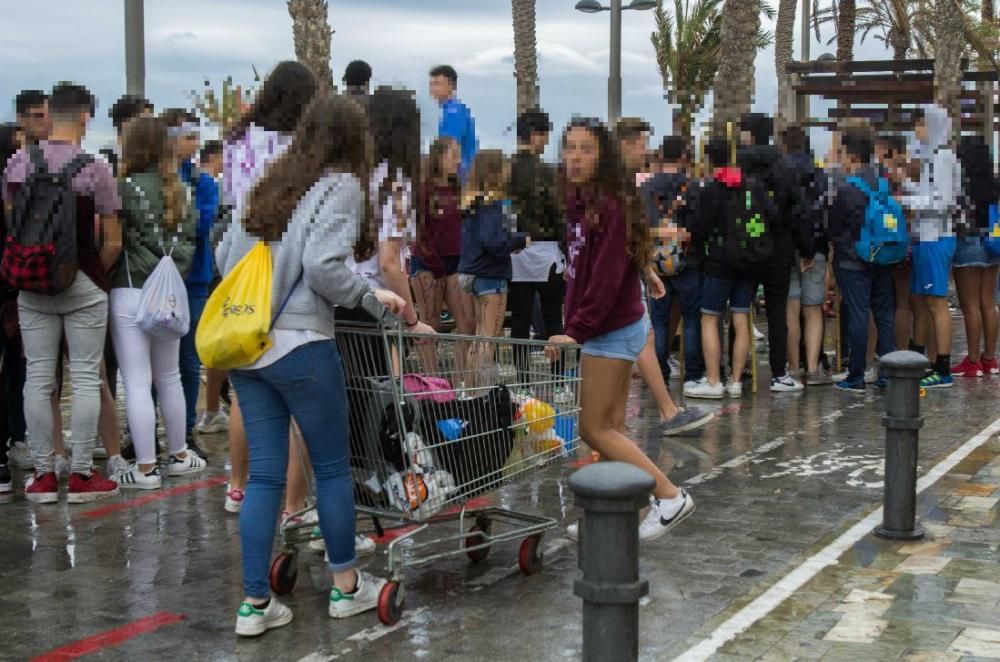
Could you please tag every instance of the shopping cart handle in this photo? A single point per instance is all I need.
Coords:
(371, 305)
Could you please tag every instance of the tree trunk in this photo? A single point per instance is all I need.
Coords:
(734, 81)
(525, 55)
(845, 31)
(784, 37)
(988, 12)
(949, 31)
(311, 33)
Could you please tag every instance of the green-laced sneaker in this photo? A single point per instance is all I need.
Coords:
(937, 380)
(365, 596)
(251, 621)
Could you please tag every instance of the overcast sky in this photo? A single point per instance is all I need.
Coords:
(190, 41)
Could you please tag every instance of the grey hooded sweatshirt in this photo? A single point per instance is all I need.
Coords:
(309, 261)
(934, 198)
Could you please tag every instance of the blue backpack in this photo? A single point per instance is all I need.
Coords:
(884, 239)
(992, 239)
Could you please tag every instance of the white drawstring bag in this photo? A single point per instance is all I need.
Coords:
(163, 305)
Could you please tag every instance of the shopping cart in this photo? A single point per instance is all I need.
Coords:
(436, 420)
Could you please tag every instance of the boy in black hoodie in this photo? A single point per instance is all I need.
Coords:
(790, 232)
(669, 197)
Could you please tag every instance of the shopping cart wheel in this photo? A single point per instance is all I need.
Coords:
(390, 603)
(284, 572)
(528, 557)
(477, 555)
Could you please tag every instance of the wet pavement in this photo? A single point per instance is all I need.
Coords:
(775, 477)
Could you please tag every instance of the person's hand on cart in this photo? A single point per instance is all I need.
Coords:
(392, 301)
(552, 349)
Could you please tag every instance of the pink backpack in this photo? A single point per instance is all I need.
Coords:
(423, 387)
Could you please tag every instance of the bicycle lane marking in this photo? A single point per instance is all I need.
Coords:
(792, 581)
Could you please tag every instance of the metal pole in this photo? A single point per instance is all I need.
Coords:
(806, 37)
(902, 423)
(611, 494)
(135, 48)
(615, 77)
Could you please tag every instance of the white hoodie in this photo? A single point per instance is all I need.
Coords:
(245, 161)
(935, 198)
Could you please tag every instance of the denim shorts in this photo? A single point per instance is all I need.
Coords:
(971, 252)
(809, 286)
(482, 286)
(623, 344)
(932, 262)
(717, 292)
(450, 264)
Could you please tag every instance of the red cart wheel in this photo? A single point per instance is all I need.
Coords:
(390, 604)
(477, 555)
(284, 572)
(528, 557)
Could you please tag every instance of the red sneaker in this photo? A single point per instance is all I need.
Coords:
(43, 489)
(967, 369)
(90, 488)
(990, 366)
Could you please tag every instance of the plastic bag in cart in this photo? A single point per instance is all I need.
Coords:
(163, 304)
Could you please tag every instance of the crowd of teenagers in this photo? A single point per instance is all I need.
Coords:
(613, 249)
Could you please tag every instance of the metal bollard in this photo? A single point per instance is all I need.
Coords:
(902, 423)
(611, 494)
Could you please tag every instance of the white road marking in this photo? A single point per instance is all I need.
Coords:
(765, 603)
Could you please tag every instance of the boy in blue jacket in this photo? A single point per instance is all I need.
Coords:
(456, 119)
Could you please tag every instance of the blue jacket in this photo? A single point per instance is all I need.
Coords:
(456, 122)
(488, 240)
(206, 199)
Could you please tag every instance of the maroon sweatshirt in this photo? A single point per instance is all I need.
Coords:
(603, 292)
(440, 233)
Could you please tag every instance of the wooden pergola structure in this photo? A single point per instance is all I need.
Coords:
(885, 92)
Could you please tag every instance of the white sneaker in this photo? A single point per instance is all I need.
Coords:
(871, 374)
(251, 622)
(116, 466)
(838, 377)
(213, 422)
(62, 467)
(675, 367)
(757, 334)
(662, 517)
(133, 479)
(691, 383)
(364, 597)
(19, 456)
(191, 464)
(363, 546)
(705, 390)
(234, 500)
(786, 384)
(734, 389)
(573, 531)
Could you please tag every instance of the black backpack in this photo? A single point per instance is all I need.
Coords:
(40, 254)
(749, 236)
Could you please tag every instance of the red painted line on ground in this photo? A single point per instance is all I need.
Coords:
(110, 638)
(157, 496)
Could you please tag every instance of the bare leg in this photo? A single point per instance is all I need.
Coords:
(428, 297)
(792, 312)
(967, 283)
(239, 456)
(741, 344)
(463, 309)
(988, 309)
(213, 386)
(602, 408)
(941, 320)
(814, 336)
(921, 322)
(711, 347)
(649, 368)
(490, 309)
(904, 308)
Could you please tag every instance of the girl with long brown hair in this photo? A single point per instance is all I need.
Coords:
(157, 219)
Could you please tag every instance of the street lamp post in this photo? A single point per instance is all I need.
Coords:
(615, 75)
(135, 48)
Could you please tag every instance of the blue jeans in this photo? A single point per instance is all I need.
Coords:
(686, 288)
(307, 384)
(190, 363)
(865, 291)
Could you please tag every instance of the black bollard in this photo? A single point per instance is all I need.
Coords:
(902, 422)
(611, 494)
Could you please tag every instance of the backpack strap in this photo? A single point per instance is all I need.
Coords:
(37, 158)
(76, 164)
(860, 184)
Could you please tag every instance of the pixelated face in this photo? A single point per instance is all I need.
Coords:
(36, 122)
(186, 145)
(451, 159)
(635, 151)
(539, 142)
(441, 88)
(920, 130)
(580, 155)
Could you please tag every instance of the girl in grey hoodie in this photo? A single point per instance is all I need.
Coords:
(308, 207)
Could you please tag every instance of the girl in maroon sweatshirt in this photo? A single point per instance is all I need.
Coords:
(608, 249)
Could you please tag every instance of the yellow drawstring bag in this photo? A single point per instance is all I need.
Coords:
(234, 327)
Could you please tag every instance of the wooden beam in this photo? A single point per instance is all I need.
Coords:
(862, 66)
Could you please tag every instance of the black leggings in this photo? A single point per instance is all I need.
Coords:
(521, 302)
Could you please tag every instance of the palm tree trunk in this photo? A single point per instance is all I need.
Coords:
(988, 12)
(949, 31)
(311, 33)
(845, 31)
(734, 81)
(784, 37)
(525, 55)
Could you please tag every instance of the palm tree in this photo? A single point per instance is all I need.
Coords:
(948, 50)
(902, 25)
(784, 37)
(734, 80)
(525, 55)
(311, 33)
(846, 23)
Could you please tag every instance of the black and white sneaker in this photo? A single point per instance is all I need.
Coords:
(663, 516)
(134, 479)
(191, 464)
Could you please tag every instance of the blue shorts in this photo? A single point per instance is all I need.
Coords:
(623, 344)
(809, 287)
(932, 266)
(717, 292)
(971, 252)
(482, 286)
